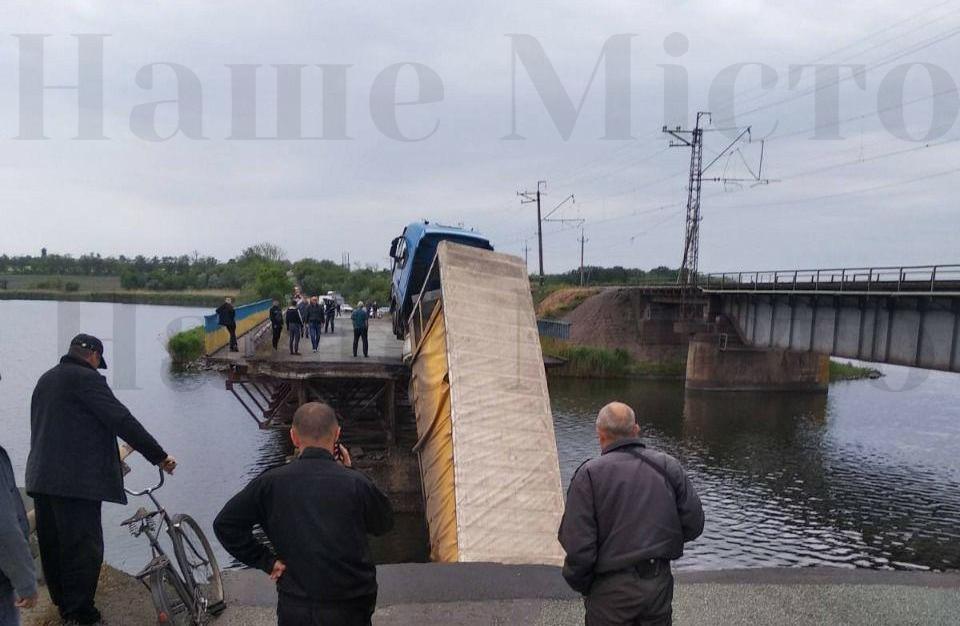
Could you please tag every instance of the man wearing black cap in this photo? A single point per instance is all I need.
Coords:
(74, 466)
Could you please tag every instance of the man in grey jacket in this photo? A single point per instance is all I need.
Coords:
(628, 514)
(18, 581)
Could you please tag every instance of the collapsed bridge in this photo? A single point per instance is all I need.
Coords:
(457, 428)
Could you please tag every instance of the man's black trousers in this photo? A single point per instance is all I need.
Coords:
(294, 612)
(277, 331)
(359, 333)
(70, 537)
(232, 329)
(328, 325)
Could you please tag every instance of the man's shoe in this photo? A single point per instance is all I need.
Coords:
(87, 618)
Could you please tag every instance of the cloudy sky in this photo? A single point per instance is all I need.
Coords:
(878, 188)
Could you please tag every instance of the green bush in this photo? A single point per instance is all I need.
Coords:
(186, 346)
(849, 371)
(71, 286)
(589, 361)
(596, 362)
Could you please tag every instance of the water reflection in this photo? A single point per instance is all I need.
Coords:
(778, 485)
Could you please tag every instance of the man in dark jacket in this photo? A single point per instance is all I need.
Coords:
(316, 511)
(276, 322)
(628, 514)
(18, 581)
(314, 320)
(360, 317)
(294, 326)
(227, 317)
(331, 311)
(74, 466)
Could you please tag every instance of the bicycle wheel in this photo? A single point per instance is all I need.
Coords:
(170, 598)
(197, 563)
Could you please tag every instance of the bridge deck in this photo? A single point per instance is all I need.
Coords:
(334, 356)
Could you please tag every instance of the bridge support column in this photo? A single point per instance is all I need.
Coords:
(713, 365)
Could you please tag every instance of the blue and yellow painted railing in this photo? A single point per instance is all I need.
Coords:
(249, 316)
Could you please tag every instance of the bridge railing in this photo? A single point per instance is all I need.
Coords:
(903, 278)
(248, 317)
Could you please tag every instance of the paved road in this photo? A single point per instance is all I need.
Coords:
(481, 594)
(494, 594)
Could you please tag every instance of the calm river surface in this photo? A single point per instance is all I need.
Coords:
(868, 476)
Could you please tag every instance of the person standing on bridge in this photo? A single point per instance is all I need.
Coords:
(227, 317)
(360, 317)
(628, 514)
(314, 321)
(331, 311)
(302, 305)
(18, 580)
(73, 467)
(317, 512)
(276, 322)
(294, 326)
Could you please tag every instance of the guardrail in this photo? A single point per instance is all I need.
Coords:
(904, 278)
(248, 317)
(557, 329)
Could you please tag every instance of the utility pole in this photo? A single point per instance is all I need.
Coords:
(693, 139)
(526, 197)
(691, 240)
(582, 242)
(526, 259)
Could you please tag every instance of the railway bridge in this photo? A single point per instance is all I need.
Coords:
(907, 315)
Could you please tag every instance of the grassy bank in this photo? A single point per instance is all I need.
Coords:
(849, 371)
(168, 298)
(186, 346)
(595, 362)
(559, 302)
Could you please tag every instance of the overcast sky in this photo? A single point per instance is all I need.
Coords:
(872, 196)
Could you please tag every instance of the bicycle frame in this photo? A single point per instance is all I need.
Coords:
(185, 586)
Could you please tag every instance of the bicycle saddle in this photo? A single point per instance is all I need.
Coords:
(139, 516)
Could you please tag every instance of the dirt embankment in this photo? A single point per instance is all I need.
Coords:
(122, 599)
(624, 318)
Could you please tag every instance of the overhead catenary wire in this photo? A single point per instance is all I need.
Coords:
(737, 96)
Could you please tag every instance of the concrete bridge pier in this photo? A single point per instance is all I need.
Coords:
(720, 362)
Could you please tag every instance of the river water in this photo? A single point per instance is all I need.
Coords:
(867, 476)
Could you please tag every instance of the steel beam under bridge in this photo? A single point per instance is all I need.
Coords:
(901, 315)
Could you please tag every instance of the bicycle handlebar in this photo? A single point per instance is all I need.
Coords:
(148, 490)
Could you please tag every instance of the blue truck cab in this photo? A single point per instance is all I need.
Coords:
(412, 253)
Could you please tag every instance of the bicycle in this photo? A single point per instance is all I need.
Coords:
(189, 593)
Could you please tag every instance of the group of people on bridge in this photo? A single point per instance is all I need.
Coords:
(312, 317)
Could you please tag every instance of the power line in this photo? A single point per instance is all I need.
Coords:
(811, 90)
(856, 42)
(862, 116)
(875, 157)
(906, 181)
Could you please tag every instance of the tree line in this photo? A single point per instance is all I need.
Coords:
(263, 271)
(260, 271)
